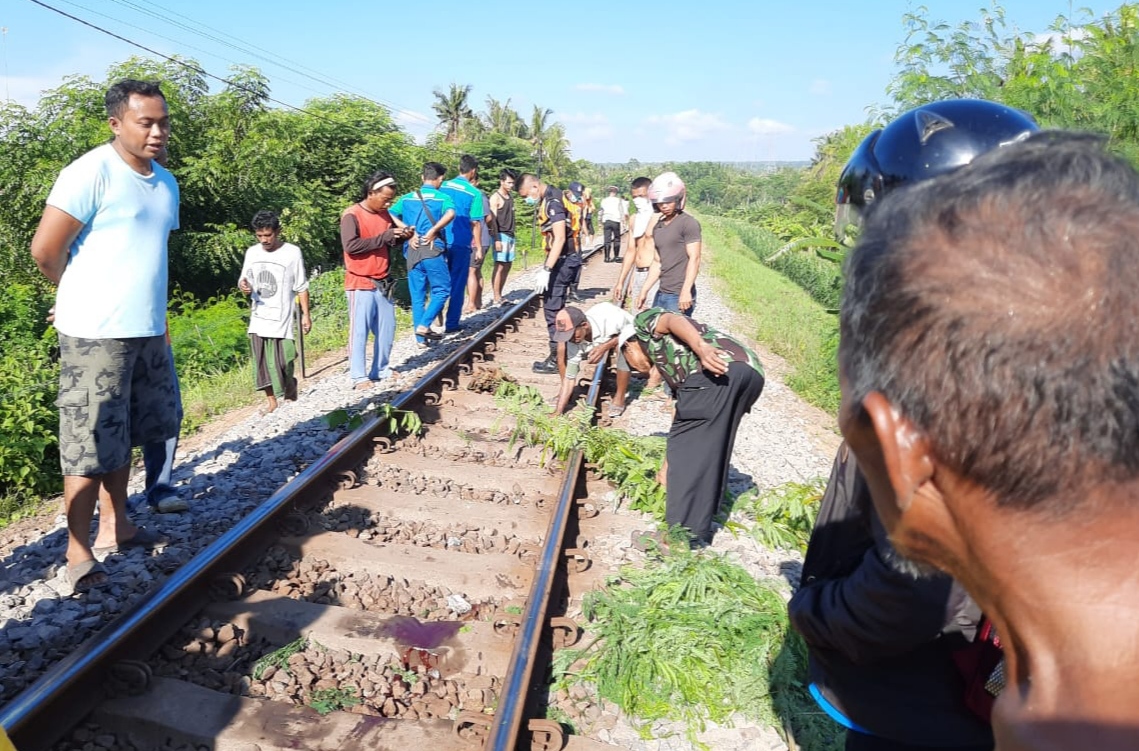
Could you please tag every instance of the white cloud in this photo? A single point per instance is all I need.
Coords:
(688, 125)
(820, 87)
(1059, 39)
(415, 124)
(604, 88)
(593, 126)
(765, 127)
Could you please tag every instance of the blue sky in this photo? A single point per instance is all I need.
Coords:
(718, 80)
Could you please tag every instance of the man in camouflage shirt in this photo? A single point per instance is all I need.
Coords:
(716, 380)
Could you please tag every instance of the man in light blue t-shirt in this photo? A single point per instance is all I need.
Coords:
(103, 240)
(464, 235)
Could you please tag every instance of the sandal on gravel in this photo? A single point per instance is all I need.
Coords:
(142, 538)
(86, 575)
(615, 411)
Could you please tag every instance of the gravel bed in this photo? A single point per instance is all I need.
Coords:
(223, 477)
(782, 440)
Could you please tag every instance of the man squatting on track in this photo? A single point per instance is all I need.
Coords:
(592, 335)
(989, 358)
(562, 261)
(105, 227)
(272, 275)
(885, 645)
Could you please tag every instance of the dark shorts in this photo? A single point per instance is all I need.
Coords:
(477, 259)
(113, 394)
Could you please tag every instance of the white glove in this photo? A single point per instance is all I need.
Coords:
(542, 281)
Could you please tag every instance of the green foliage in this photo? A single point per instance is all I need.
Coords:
(279, 658)
(29, 422)
(802, 718)
(1080, 76)
(629, 462)
(535, 425)
(784, 516)
(208, 337)
(326, 700)
(690, 637)
(23, 315)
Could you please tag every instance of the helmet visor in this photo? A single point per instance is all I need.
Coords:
(847, 223)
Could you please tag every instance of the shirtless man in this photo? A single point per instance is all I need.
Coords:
(639, 254)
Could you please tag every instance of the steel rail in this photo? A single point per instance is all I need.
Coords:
(71, 688)
(508, 716)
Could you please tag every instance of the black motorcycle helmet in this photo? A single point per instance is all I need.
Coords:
(925, 142)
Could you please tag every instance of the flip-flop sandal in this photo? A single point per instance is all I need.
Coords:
(142, 538)
(615, 412)
(86, 575)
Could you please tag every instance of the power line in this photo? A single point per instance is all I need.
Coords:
(197, 68)
(169, 39)
(252, 50)
(268, 56)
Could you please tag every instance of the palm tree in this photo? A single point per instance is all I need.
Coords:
(452, 110)
(555, 151)
(500, 117)
(539, 121)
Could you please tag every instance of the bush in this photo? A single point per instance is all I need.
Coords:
(208, 337)
(23, 316)
(29, 424)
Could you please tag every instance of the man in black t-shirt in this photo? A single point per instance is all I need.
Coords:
(562, 261)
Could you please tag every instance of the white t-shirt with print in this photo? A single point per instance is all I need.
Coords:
(606, 321)
(276, 277)
(114, 286)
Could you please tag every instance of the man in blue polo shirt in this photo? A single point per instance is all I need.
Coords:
(428, 211)
(464, 234)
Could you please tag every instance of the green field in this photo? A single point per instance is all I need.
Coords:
(780, 314)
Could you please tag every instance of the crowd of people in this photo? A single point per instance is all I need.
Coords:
(967, 582)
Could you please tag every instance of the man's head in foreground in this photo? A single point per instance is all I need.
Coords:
(989, 356)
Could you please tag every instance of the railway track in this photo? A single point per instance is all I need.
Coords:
(404, 591)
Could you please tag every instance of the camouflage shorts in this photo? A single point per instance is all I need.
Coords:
(113, 394)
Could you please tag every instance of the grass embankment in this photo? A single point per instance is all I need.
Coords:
(780, 314)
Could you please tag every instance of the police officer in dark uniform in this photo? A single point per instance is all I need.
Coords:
(563, 261)
(884, 637)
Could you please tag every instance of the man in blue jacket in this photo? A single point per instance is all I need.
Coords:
(464, 234)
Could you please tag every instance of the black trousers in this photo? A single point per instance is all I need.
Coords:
(565, 273)
(708, 413)
(612, 240)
